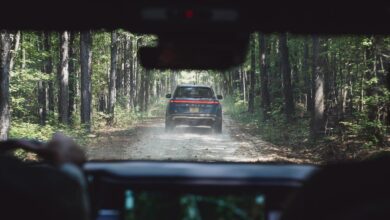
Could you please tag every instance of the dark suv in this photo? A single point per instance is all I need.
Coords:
(194, 105)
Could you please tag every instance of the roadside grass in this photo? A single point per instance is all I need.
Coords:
(274, 129)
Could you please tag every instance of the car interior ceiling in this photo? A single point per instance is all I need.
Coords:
(358, 190)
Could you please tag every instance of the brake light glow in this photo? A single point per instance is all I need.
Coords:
(189, 14)
(195, 102)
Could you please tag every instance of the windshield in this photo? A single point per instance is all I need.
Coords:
(193, 92)
(295, 99)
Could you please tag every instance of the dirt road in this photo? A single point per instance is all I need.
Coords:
(149, 141)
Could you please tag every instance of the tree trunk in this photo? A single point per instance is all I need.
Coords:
(132, 76)
(251, 104)
(136, 74)
(42, 111)
(236, 79)
(152, 86)
(72, 74)
(387, 72)
(129, 77)
(112, 86)
(119, 71)
(141, 93)
(307, 76)
(286, 74)
(86, 72)
(317, 119)
(371, 74)
(276, 74)
(132, 72)
(15, 49)
(102, 102)
(173, 81)
(5, 61)
(48, 69)
(225, 84)
(244, 78)
(265, 98)
(126, 69)
(147, 91)
(42, 89)
(63, 78)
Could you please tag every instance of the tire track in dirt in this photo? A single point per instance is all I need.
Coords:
(149, 141)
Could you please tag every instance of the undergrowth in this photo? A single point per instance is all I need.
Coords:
(356, 138)
(123, 119)
(274, 129)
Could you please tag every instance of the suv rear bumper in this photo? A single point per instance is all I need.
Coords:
(192, 119)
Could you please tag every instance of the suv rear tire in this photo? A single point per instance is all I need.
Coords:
(169, 126)
(217, 127)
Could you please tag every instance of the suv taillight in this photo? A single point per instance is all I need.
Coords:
(195, 102)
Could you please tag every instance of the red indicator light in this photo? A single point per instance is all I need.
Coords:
(189, 14)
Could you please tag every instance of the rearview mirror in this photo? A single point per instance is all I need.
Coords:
(168, 96)
(219, 97)
(201, 51)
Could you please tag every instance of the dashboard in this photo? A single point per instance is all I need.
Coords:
(182, 190)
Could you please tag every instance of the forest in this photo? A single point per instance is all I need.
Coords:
(296, 90)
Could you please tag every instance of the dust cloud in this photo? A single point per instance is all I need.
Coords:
(149, 141)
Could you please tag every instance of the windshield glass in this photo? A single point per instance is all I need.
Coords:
(295, 99)
(193, 92)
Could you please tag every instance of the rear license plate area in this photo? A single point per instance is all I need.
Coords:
(194, 110)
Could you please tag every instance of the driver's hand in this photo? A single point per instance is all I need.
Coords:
(63, 149)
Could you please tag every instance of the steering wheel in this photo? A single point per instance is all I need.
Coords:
(45, 191)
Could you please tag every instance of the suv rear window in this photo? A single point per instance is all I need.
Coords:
(194, 92)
